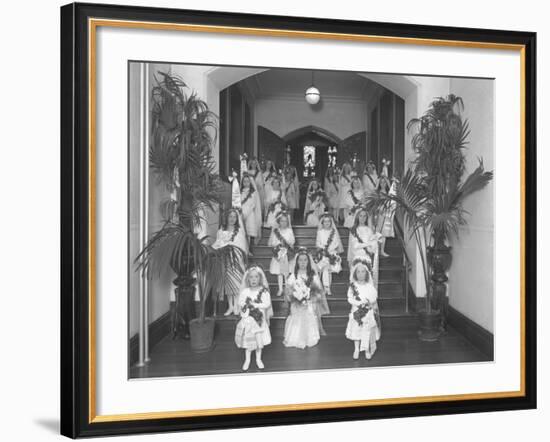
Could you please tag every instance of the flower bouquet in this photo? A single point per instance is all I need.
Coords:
(360, 315)
(249, 309)
(301, 293)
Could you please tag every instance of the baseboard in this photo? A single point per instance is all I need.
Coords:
(481, 338)
(158, 329)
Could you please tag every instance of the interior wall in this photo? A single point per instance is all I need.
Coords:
(471, 277)
(282, 115)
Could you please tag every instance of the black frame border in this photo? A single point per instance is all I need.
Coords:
(75, 220)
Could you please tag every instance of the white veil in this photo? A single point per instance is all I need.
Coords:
(263, 279)
(335, 227)
(263, 283)
(308, 202)
(258, 203)
(361, 262)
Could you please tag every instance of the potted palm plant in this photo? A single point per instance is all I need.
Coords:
(430, 199)
(183, 130)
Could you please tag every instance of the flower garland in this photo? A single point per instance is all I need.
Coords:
(324, 251)
(234, 234)
(353, 197)
(362, 309)
(248, 195)
(254, 311)
(272, 206)
(283, 244)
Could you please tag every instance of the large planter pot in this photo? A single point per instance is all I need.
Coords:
(202, 334)
(430, 326)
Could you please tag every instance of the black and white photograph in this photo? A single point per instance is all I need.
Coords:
(284, 219)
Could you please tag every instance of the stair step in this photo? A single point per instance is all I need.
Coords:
(343, 276)
(264, 251)
(309, 241)
(340, 289)
(333, 324)
(339, 305)
(386, 271)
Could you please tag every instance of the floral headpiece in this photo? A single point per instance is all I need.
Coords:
(254, 267)
(302, 251)
(281, 214)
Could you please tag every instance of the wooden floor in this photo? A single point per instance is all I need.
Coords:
(398, 346)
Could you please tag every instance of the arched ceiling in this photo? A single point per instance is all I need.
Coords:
(294, 82)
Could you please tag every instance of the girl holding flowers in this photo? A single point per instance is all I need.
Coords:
(282, 241)
(232, 233)
(364, 319)
(331, 189)
(352, 201)
(329, 246)
(364, 242)
(252, 209)
(275, 201)
(316, 203)
(256, 174)
(252, 331)
(344, 186)
(308, 303)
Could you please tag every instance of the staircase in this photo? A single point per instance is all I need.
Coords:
(391, 287)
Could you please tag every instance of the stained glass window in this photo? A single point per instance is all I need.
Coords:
(309, 161)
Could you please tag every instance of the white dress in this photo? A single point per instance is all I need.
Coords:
(275, 200)
(252, 212)
(344, 186)
(370, 183)
(291, 194)
(248, 327)
(361, 241)
(334, 249)
(279, 264)
(303, 327)
(314, 210)
(332, 194)
(367, 329)
(258, 178)
(225, 238)
(350, 204)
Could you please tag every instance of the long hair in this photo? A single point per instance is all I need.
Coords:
(252, 189)
(272, 169)
(354, 272)
(309, 270)
(346, 166)
(353, 229)
(225, 221)
(254, 161)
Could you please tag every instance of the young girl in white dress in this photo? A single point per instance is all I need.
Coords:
(308, 303)
(315, 204)
(344, 187)
(268, 174)
(364, 242)
(252, 331)
(364, 319)
(384, 222)
(291, 192)
(329, 247)
(370, 178)
(251, 208)
(282, 241)
(232, 233)
(352, 201)
(331, 189)
(275, 202)
(255, 173)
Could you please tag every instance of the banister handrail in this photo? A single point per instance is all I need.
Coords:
(408, 264)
